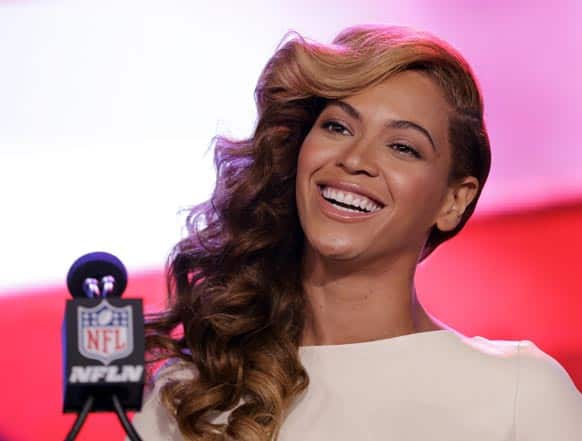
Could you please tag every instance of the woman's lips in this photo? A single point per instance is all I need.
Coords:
(351, 188)
(333, 212)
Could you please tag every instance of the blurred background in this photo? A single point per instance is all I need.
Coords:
(107, 110)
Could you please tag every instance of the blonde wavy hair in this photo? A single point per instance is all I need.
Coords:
(236, 307)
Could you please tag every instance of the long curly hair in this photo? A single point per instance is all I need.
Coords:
(236, 307)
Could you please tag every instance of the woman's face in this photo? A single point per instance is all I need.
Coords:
(386, 150)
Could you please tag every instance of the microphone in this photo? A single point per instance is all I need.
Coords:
(103, 342)
(88, 270)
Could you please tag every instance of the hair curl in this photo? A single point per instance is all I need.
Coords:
(234, 282)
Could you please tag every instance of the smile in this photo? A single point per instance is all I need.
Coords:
(346, 203)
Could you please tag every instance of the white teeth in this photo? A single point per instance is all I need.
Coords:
(349, 198)
(339, 207)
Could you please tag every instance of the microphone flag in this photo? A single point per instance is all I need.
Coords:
(103, 353)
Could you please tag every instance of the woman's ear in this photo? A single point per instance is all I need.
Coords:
(459, 196)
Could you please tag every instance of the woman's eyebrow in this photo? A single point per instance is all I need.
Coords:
(393, 123)
(405, 124)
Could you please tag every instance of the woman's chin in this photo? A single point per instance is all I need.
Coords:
(337, 249)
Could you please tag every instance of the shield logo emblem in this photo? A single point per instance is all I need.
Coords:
(105, 332)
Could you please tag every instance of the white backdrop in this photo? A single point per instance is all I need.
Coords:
(107, 110)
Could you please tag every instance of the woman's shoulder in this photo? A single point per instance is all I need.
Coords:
(175, 369)
(542, 376)
(530, 361)
(548, 403)
(154, 421)
(519, 360)
(483, 352)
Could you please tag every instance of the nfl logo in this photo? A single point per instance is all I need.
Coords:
(105, 332)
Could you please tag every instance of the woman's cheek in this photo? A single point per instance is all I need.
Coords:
(312, 152)
(407, 188)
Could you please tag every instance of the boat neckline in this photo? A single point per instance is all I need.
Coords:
(382, 341)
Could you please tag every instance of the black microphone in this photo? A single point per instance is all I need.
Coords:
(91, 269)
(103, 341)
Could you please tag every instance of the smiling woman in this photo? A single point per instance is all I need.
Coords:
(294, 289)
(382, 149)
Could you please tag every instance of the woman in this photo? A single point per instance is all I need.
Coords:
(295, 286)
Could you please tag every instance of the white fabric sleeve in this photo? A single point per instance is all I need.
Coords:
(154, 422)
(548, 404)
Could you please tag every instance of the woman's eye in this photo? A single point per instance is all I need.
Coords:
(335, 127)
(406, 149)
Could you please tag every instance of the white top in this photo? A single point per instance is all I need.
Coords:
(428, 386)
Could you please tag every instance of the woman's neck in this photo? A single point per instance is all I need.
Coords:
(346, 306)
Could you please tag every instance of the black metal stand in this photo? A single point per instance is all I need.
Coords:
(82, 416)
(127, 426)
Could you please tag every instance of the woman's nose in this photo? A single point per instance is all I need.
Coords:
(358, 158)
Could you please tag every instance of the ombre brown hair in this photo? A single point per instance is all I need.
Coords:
(236, 306)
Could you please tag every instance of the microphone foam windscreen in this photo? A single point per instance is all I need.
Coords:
(96, 265)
